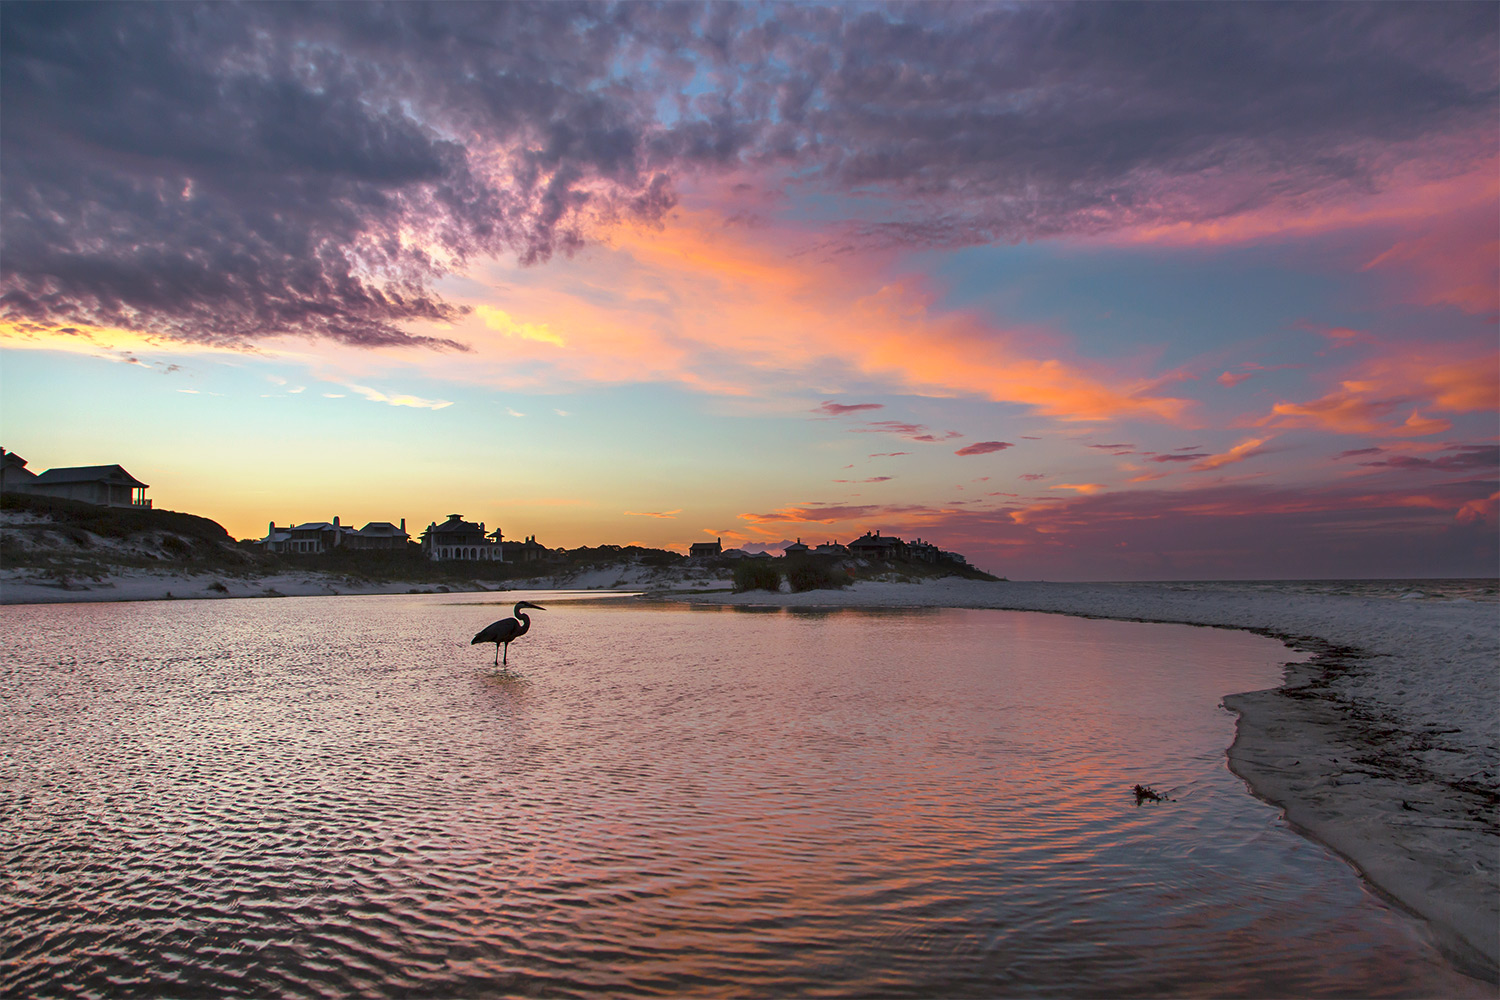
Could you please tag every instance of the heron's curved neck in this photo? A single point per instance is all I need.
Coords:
(524, 619)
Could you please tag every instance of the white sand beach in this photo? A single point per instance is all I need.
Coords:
(20, 586)
(1385, 745)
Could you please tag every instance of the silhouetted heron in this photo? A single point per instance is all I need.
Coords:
(506, 630)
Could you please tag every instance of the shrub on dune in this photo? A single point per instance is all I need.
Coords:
(756, 574)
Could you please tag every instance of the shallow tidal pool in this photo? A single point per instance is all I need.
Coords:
(340, 796)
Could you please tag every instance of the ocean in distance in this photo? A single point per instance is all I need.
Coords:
(314, 797)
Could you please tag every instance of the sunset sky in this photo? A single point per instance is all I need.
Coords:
(1106, 291)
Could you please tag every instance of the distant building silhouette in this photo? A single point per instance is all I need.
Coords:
(797, 549)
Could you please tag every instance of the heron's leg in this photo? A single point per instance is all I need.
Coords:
(507, 653)
(497, 654)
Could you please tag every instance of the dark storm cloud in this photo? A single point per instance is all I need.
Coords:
(1040, 119)
(224, 172)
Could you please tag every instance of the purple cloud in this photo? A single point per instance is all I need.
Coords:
(984, 447)
(1469, 456)
(832, 409)
(1190, 457)
(912, 432)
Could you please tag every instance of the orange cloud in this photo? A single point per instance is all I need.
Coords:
(1374, 401)
(729, 309)
(1240, 452)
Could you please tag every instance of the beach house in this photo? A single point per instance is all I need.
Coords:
(105, 485)
(306, 539)
(457, 539)
(379, 536)
(527, 551)
(874, 545)
(705, 550)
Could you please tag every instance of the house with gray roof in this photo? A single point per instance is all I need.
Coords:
(105, 485)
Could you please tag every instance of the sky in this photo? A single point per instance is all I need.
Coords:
(1083, 292)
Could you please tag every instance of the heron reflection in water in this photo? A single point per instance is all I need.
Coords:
(506, 630)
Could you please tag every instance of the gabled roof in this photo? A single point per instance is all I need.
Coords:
(311, 526)
(381, 528)
(112, 474)
(456, 525)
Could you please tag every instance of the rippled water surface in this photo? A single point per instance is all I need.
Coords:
(338, 796)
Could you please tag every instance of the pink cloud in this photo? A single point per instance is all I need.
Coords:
(1485, 510)
(1454, 261)
(1234, 531)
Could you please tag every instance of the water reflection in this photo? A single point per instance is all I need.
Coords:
(318, 796)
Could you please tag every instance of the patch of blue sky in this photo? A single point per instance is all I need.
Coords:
(1182, 303)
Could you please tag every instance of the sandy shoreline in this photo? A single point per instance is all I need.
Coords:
(21, 587)
(1385, 745)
